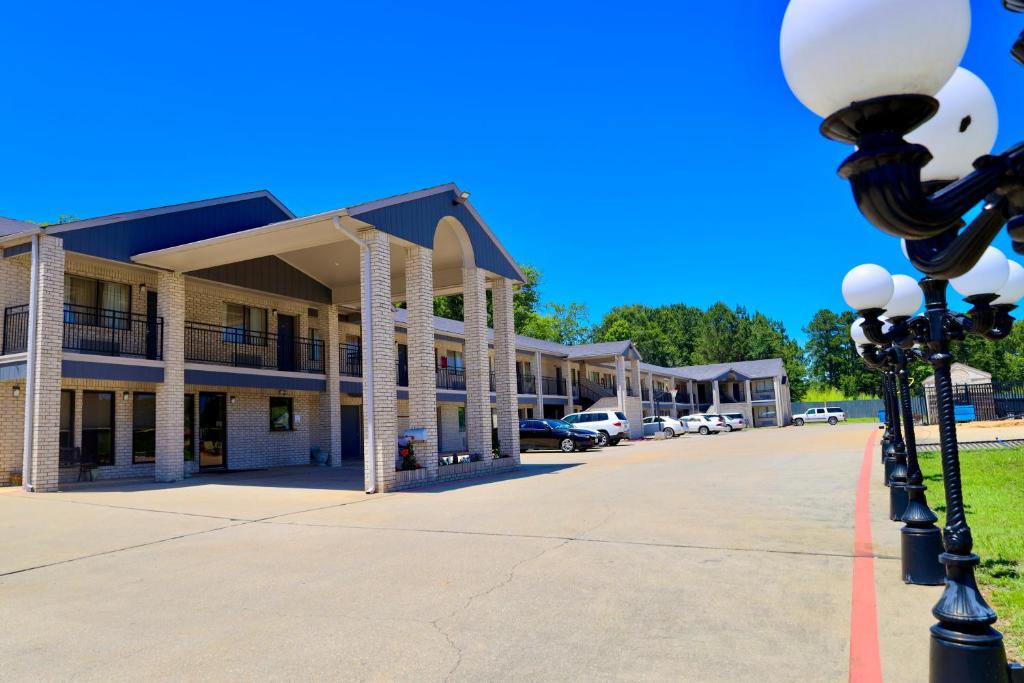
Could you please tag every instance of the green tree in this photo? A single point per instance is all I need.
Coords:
(834, 360)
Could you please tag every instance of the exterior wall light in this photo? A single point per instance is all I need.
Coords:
(124, 395)
(16, 391)
(233, 399)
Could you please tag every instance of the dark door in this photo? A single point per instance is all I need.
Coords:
(285, 342)
(213, 432)
(152, 329)
(351, 433)
(403, 365)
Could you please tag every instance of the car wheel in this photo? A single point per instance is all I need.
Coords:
(602, 438)
(833, 421)
(568, 445)
(668, 432)
(798, 422)
(704, 431)
(728, 428)
(615, 441)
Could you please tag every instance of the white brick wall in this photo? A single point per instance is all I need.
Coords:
(478, 397)
(422, 410)
(170, 395)
(504, 368)
(45, 398)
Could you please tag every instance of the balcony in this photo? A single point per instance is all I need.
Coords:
(662, 396)
(526, 384)
(351, 357)
(453, 379)
(762, 395)
(205, 343)
(553, 386)
(645, 394)
(93, 330)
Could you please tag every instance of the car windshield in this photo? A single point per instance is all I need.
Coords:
(558, 424)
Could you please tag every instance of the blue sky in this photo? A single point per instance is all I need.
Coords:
(586, 132)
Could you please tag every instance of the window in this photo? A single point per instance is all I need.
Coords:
(455, 360)
(245, 324)
(462, 418)
(143, 427)
(190, 422)
(83, 296)
(67, 419)
(281, 418)
(98, 426)
(621, 416)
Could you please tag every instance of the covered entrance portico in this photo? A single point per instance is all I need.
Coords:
(352, 267)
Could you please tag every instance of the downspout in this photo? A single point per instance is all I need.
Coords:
(30, 368)
(371, 440)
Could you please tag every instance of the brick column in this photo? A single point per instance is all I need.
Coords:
(381, 332)
(634, 376)
(332, 398)
(778, 403)
(538, 374)
(620, 381)
(715, 395)
(170, 395)
(44, 401)
(506, 394)
(478, 394)
(419, 297)
(690, 389)
(567, 374)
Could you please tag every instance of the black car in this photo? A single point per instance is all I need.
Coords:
(554, 434)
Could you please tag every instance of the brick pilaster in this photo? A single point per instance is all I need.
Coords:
(331, 402)
(506, 394)
(419, 297)
(170, 395)
(620, 381)
(538, 372)
(381, 331)
(45, 399)
(478, 394)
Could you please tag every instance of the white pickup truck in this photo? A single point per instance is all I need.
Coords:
(831, 415)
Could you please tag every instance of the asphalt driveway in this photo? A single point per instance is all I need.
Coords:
(716, 558)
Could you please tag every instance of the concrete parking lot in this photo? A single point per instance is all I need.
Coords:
(717, 558)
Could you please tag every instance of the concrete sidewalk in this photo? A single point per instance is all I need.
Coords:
(715, 558)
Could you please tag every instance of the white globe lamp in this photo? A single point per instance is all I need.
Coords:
(867, 286)
(987, 276)
(857, 333)
(906, 297)
(1013, 290)
(964, 128)
(836, 52)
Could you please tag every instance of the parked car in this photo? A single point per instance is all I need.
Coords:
(734, 422)
(831, 415)
(554, 434)
(668, 425)
(703, 424)
(611, 426)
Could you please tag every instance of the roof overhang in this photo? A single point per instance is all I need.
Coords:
(269, 240)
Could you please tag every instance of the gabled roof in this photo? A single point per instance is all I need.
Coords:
(9, 226)
(744, 369)
(614, 348)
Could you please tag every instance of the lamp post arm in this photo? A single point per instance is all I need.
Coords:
(951, 253)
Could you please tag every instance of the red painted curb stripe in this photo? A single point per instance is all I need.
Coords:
(865, 658)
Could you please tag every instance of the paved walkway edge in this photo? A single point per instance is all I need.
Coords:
(865, 658)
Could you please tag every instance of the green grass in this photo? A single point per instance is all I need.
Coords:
(994, 495)
(822, 394)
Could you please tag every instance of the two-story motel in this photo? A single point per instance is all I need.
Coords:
(231, 334)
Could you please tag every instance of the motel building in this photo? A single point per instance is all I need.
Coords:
(228, 334)
(231, 334)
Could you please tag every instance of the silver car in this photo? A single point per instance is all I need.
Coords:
(833, 416)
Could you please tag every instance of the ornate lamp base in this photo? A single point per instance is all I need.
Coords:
(920, 550)
(957, 657)
(897, 499)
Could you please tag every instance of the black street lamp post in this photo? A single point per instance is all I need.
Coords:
(923, 128)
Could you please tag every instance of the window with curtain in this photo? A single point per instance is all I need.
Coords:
(143, 427)
(83, 296)
(98, 426)
(245, 324)
(67, 418)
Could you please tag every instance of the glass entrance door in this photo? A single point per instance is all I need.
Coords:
(213, 431)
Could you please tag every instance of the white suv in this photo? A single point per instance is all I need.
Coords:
(668, 425)
(703, 424)
(611, 426)
(831, 415)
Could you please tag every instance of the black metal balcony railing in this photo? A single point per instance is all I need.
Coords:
(526, 384)
(645, 394)
(351, 356)
(205, 343)
(92, 330)
(451, 378)
(662, 397)
(15, 329)
(553, 386)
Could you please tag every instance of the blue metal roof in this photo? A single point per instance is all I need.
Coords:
(124, 235)
(416, 221)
